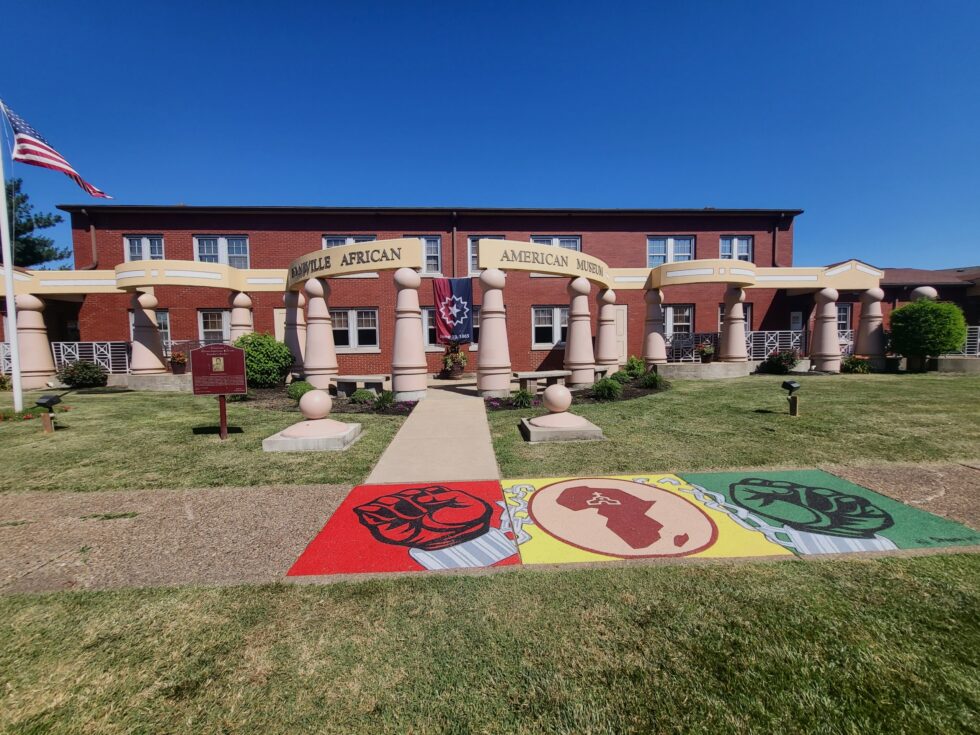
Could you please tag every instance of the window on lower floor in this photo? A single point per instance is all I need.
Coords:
(163, 324)
(355, 328)
(429, 326)
(679, 319)
(843, 317)
(231, 250)
(736, 247)
(144, 247)
(474, 250)
(669, 249)
(746, 309)
(549, 326)
(214, 325)
(335, 241)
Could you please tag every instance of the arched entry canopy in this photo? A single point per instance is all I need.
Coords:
(361, 257)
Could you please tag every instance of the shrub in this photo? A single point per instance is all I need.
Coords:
(521, 399)
(927, 328)
(653, 381)
(779, 363)
(852, 364)
(621, 376)
(607, 389)
(5, 383)
(267, 362)
(297, 389)
(362, 395)
(634, 367)
(384, 401)
(83, 374)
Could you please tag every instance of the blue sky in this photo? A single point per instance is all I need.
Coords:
(866, 115)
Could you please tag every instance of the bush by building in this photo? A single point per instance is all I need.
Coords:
(298, 388)
(83, 374)
(607, 389)
(780, 362)
(853, 364)
(362, 395)
(926, 328)
(267, 362)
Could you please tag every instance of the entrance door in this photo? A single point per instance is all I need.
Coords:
(621, 322)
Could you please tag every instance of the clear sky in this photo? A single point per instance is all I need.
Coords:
(866, 114)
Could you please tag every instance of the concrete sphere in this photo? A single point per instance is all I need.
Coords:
(407, 278)
(607, 296)
(493, 278)
(147, 301)
(654, 296)
(579, 286)
(317, 288)
(872, 294)
(315, 404)
(924, 292)
(241, 300)
(28, 302)
(557, 398)
(826, 295)
(734, 294)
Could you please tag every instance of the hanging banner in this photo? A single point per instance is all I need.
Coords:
(454, 310)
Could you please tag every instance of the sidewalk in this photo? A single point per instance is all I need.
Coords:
(446, 437)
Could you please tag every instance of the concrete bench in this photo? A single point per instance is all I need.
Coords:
(347, 384)
(529, 380)
(604, 371)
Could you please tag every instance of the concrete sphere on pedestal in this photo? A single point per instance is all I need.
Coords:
(579, 286)
(826, 295)
(607, 296)
(315, 404)
(317, 288)
(872, 294)
(407, 278)
(241, 300)
(147, 301)
(924, 292)
(557, 398)
(493, 278)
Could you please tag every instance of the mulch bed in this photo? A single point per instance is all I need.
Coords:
(579, 397)
(275, 399)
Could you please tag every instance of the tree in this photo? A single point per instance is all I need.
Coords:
(30, 248)
(927, 328)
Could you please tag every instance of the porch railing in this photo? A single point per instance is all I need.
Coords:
(113, 356)
(971, 348)
(5, 358)
(684, 347)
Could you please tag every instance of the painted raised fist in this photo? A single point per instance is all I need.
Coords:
(428, 518)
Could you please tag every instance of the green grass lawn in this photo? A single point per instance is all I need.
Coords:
(887, 646)
(147, 440)
(744, 422)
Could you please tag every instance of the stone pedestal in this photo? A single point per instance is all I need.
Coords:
(870, 339)
(654, 344)
(409, 371)
(241, 315)
(320, 361)
(493, 356)
(36, 362)
(825, 346)
(579, 356)
(294, 327)
(559, 425)
(605, 342)
(147, 357)
(317, 433)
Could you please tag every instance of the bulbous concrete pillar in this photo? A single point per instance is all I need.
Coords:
(294, 327)
(36, 361)
(605, 341)
(408, 367)
(732, 348)
(579, 356)
(493, 356)
(241, 315)
(147, 357)
(320, 362)
(825, 346)
(924, 292)
(654, 345)
(870, 339)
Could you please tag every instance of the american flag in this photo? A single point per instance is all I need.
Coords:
(30, 147)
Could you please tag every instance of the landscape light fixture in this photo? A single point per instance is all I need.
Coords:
(791, 386)
(47, 419)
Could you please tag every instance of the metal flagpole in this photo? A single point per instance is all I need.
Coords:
(8, 277)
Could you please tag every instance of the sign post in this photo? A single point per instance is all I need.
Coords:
(219, 370)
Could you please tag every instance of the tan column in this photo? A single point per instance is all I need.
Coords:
(732, 347)
(241, 315)
(825, 346)
(579, 357)
(605, 341)
(493, 355)
(294, 327)
(654, 345)
(320, 362)
(409, 371)
(36, 363)
(870, 340)
(147, 357)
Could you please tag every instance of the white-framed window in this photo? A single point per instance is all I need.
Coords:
(429, 327)
(669, 249)
(796, 321)
(144, 247)
(569, 242)
(746, 309)
(737, 247)
(163, 324)
(231, 250)
(679, 319)
(549, 326)
(476, 327)
(431, 253)
(355, 329)
(335, 241)
(473, 250)
(214, 325)
(843, 317)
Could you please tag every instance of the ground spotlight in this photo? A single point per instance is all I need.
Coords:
(791, 386)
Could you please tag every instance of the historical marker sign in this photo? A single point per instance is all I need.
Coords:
(219, 370)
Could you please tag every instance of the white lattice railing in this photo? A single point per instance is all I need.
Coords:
(758, 345)
(846, 339)
(5, 358)
(113, 356)
(683, 347)
(971, 348)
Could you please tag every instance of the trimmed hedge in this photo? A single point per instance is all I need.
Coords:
(267, 362)
(83, 374)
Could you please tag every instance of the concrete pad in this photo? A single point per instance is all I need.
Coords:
(586, 431)
(281, 442)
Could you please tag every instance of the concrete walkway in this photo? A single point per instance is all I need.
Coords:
(446, 437)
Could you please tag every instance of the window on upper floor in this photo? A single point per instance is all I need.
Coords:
(569, 242)
(335, 241)
(737, 247)
(473, 242)
(231, 250)
(549, 325)
(355, 329)
(669, 249)
(431, 253)
(144, 247)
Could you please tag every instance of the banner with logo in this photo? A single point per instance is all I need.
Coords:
(454, 310)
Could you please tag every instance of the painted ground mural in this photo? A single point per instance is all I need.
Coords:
(560, 520)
